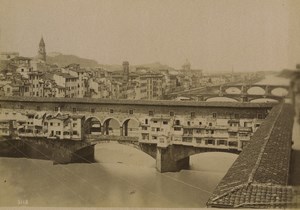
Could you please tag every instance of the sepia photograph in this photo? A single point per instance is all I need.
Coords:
(150, 104)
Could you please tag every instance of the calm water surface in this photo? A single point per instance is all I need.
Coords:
(122, 177)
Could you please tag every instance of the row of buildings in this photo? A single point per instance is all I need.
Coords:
(34, 77)
(209, 130)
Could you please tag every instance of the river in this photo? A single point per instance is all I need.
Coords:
(122, 177)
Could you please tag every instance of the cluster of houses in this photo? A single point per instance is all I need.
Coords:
(34, 77)
(230, 132)
(40, 124)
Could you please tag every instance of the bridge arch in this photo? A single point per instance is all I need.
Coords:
(130, 127)
(212, 161)
(263, 100)
(256, 90)
(233, 90)
(112, 126)
(280, 91)
(92, 125)
(189, 151)
(221, 98)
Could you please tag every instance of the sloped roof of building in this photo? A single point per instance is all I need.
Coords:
(67, 76)
(21, 58)
(259, 176)
(168, 103)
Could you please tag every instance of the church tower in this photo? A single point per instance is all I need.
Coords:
(42, 50)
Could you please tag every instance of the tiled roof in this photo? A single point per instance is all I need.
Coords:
(68, 76)
(138, 102)
(259, 176)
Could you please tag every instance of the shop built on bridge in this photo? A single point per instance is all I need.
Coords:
(169, 132)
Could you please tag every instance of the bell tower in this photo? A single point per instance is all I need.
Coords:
(42, 50)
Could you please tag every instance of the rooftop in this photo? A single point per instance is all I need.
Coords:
(137, 102)
(67, 76)
(259, 176)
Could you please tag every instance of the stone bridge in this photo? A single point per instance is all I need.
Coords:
(239, 97)
(169, 132)
(242, 92)
(244, 89)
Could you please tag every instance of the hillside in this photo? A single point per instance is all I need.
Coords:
(64, 60)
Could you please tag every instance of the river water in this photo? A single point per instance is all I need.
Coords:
(122, 177)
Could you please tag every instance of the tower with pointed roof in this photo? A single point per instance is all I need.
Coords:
(42, 50)
(186, 66)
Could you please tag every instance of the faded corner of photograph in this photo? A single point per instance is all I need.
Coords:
(150, 104)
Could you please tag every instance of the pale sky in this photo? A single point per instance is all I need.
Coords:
(244, 35)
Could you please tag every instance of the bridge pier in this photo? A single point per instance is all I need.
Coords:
(166, 160)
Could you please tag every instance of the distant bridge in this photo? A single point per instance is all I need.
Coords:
(243, 92)
(239, 97)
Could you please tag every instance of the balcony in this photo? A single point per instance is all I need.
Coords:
(221, 135)
(187, 135)
(245, 129)
(244, 138)
(233, 129)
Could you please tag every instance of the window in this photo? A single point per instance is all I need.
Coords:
(200, 123)
(221, 142)
(151, 113)
(146, 121)
(75, 133)
(211, 141)
(74, 110)
(111, 111)
(56, 108)
(209, 124)
(130, 111)
(157, 129)
(172, 114)
(92, 110)
(38, 108)
(188, 123)
(233, 144)
(177, 122)
(177, 129)
(144, 128)
(165, 122)
(57, 132)
(58, 124)
(193, 114)
(198, 140)
(214, 115)
(74, 125)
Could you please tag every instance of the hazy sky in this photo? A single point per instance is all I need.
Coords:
(212, 34)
